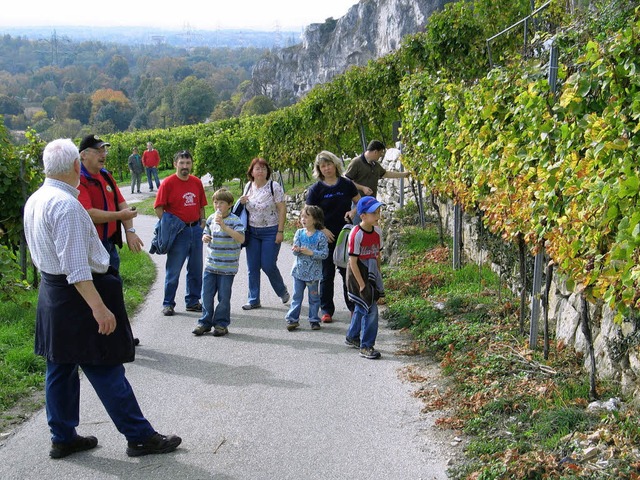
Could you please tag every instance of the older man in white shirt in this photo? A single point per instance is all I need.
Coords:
(81, 319)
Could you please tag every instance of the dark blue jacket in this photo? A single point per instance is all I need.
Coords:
(165, 232)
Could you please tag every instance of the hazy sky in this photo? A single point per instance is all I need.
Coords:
(177, 14)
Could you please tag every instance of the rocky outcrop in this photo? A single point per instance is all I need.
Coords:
(369, 30)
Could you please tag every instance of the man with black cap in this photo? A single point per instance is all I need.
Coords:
(104, 202)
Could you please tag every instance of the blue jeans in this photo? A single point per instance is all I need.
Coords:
(364, 325)
(62, 388)
(114, 256)
(327, 284)
(186, 246)
(262, 254)
(152, 174)
(293, 315)
(213, 283)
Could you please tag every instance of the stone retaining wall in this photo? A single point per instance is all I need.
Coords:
(616, 346)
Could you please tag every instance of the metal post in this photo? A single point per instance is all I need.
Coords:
(535, 299)
(526, 35)
(537, 270)
(402, 179)
(421, 205)
(553, 69)
(457, 235)
(363, 137)
(396, 140)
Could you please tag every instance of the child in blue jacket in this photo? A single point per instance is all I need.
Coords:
(310, 247)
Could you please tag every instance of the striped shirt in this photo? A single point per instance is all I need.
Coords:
(223, 251)
(61, 236)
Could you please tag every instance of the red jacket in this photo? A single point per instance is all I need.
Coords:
(151, 158)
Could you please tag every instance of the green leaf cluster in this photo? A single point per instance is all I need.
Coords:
(560, 170)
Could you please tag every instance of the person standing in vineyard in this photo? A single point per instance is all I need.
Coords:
(101, 197)
(335, 195)
(365, 170)
(136, 168)
(182, 195)
(151, 160)
(81, 319)
(264, 200)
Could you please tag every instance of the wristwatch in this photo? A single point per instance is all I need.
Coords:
(131, 230)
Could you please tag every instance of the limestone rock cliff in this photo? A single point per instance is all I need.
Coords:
(369, 30)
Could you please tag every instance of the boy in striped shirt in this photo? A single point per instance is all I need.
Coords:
(223, 234)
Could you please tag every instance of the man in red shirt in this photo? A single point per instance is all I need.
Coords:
(101, 197)
(182, 195)
(151, 160)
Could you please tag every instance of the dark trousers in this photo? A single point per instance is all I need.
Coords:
(62, 388)
(327, 304)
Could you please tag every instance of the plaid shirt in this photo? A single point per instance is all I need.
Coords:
(61, 236)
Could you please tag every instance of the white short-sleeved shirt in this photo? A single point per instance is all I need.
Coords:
(262, 204)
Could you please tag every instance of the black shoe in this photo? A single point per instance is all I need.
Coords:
(168, 311)
(194, 308)
(79, 444)
(250, 306)
(315, 325)
(155, 444)
(136, 341)
(139, 191)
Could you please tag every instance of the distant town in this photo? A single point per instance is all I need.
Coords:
(186, 37)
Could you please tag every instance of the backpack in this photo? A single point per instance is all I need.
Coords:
(341, 252)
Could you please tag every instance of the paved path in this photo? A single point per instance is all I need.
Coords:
(260, 403)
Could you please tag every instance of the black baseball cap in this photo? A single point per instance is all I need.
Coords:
(92, 141)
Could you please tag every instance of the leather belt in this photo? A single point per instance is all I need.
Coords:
(193, 224)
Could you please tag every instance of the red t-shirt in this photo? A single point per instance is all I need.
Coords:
(97, 193)
(363, 244)
(182, 198)
(151, 158)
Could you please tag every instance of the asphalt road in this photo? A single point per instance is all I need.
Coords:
(259, 403)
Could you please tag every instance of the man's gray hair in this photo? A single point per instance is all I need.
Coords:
(59, 157)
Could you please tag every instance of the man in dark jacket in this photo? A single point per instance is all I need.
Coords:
(81, 320)
(135, 168)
